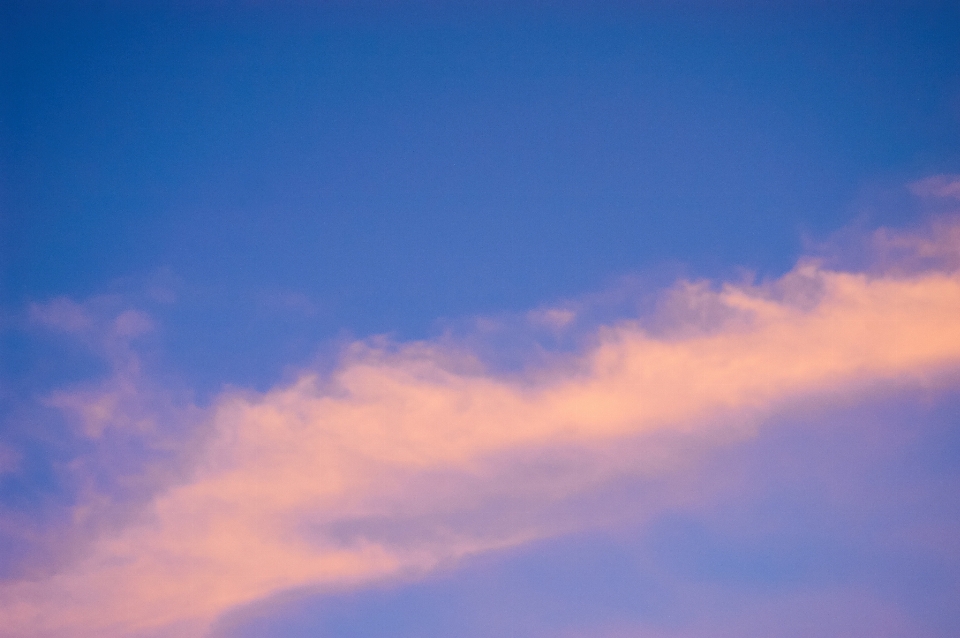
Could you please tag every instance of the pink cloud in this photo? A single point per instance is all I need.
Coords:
(62, 314)
(410, 456)
(937, 186)
(9, 459)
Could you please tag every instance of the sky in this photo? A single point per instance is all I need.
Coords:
(472, 319)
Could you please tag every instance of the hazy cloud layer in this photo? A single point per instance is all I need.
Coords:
(409, 456)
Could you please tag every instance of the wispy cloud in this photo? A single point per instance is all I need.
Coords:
(411, 455)
(938, 186)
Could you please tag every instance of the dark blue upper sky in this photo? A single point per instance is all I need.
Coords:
(295, 173)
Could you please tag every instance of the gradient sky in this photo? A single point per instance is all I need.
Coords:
(428, 319)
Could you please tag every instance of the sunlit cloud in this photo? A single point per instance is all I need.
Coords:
(412, 455)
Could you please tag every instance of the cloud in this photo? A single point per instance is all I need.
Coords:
(75, 461)
(937, 186)
(62, 314)
(409, 456)
(552, 318)
(10, 459)
(833, 520)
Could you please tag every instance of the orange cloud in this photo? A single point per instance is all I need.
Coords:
(410, 456)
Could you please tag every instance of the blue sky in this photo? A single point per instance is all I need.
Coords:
(413, 237)
(395, 165)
